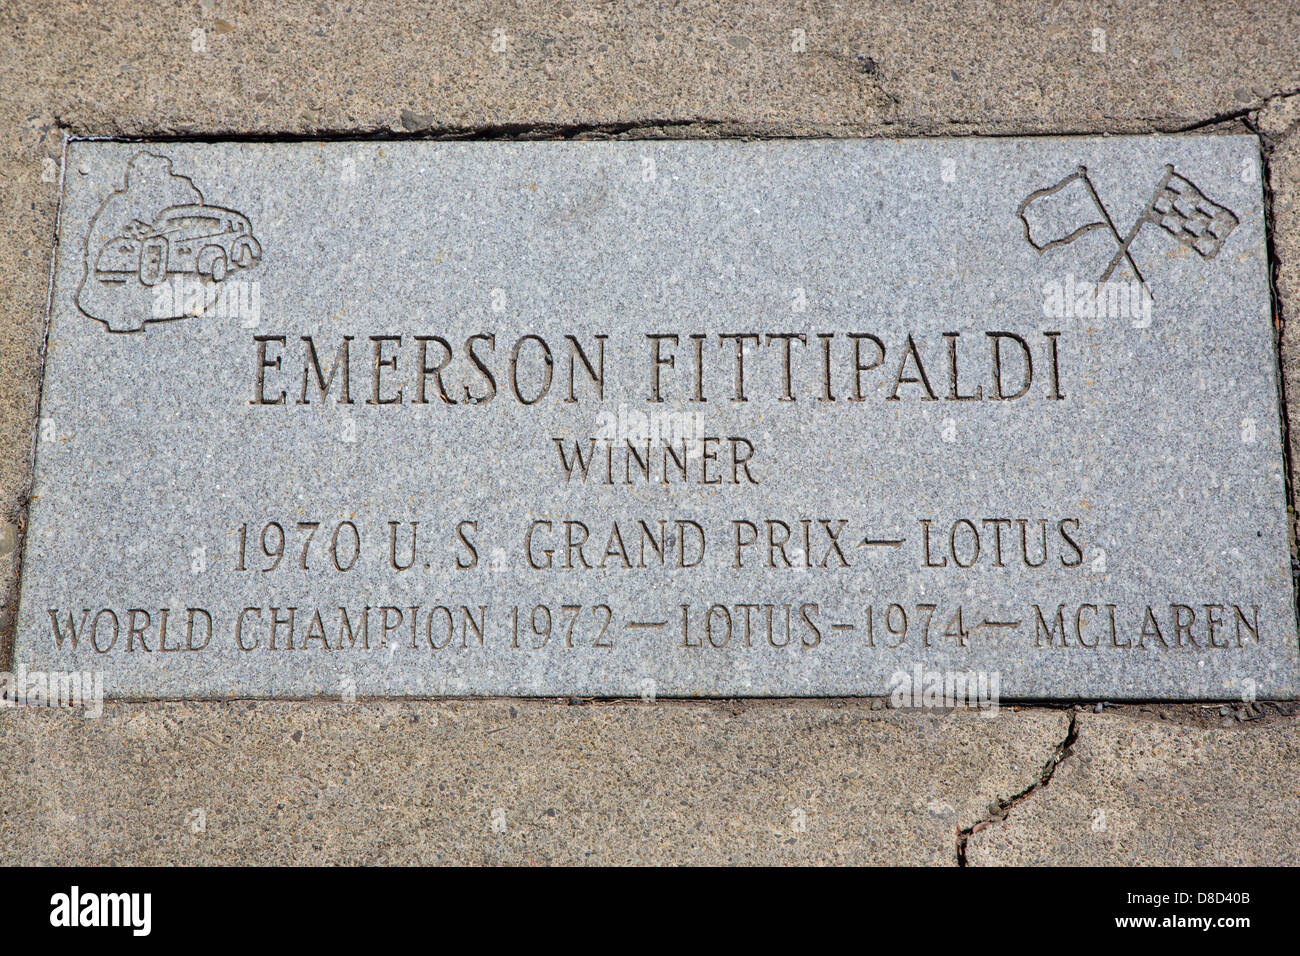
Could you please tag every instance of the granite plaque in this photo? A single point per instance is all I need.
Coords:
(663, 419)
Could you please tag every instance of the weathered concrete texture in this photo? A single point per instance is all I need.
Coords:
(360, 64)
(1136, 789)
(307, 66)
(421, 782)
(1277, 123)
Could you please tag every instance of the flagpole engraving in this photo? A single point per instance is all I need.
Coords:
(1123, 243)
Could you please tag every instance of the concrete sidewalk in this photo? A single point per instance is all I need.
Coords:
(779, 781)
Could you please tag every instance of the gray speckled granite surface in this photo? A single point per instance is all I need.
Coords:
(1156, 478)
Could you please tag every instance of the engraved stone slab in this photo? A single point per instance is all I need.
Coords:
(663, 418)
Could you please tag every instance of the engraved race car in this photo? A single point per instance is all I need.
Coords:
(199, 240)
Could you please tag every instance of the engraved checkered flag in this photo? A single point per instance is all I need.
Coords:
(1183, 211)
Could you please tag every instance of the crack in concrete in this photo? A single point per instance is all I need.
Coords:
(1243, 115)
(422, 126)
(425, 125)
(413, 125)
(1266, 147)
(1002, 809)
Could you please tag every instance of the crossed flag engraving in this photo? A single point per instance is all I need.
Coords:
(1177, 206)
